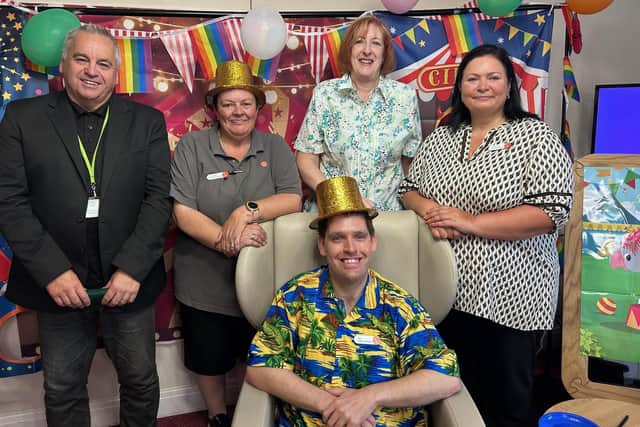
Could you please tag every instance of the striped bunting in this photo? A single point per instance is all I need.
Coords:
(54, 71)
(135, 74)
(463, 32)
(316, 49)
(178, 44)
(211, 46)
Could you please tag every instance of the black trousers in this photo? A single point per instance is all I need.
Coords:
(496, 366)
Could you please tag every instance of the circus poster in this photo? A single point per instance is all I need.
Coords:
(610, 295)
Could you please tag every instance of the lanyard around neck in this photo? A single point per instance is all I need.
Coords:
(91, 166)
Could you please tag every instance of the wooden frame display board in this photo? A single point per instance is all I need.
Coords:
(601, 306)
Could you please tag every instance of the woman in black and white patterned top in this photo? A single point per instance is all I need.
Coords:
(497, 182)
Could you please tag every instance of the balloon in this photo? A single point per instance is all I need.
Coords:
(44, 34)
(498, 7)
(263, 32)
(587, 7)
(399, 6)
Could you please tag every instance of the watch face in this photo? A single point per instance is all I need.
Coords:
(252, 206)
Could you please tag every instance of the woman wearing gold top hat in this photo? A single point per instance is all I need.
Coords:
(225, 181)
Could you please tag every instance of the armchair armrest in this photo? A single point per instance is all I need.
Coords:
(255, 408)
(458, 410)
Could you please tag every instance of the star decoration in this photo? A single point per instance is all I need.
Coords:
(422, 43)
(25, 76)
(11, 16)
(539, 20)
(392, 30)
(528, 53)
(17, 26)
(17, 86)
(278, 112)
(501, 40)
(6, 96)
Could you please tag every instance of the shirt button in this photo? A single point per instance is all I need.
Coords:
(90, 127)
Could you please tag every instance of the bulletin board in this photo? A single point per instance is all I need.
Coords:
(601, 301)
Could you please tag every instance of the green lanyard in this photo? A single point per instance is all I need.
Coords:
(91, 167)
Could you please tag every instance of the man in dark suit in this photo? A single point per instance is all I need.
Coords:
(84, 185)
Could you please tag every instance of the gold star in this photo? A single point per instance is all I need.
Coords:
(25, 76)
(17, 86)
(528, 53)
(16, 59)
(422, 43)
(15, 49)
(539, 20)
(3, 25)
(17, 26)
(6, 96)
(11, 16)
(7, 78)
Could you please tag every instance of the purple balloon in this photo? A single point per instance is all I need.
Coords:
(399, 6)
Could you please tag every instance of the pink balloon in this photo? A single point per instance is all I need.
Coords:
(399, 6)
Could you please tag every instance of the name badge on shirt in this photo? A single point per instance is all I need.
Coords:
(93, 208)
(217, 175)
(366, 339)
(495, 146)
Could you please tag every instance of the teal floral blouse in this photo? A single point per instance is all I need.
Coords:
(365, 140)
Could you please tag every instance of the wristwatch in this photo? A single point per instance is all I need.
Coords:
(253, 208)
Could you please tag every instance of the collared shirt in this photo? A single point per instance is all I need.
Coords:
(387, 335)
(365, 140)
(521, 162)
(204, 279)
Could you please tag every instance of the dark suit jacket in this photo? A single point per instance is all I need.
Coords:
(44, 189)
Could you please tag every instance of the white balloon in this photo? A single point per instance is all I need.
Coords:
(263, 32)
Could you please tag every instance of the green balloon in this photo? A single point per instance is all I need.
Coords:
(498, 7)
(44, 34)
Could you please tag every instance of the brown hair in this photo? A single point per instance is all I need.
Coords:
(358, 29)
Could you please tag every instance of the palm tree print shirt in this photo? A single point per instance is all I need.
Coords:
(388, 334)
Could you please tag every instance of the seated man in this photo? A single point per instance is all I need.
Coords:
(343, 346)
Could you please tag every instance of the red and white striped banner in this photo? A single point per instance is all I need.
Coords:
(178, 44)
(316, 49)
(232, 28)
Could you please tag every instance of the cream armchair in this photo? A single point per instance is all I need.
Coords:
(406, 254)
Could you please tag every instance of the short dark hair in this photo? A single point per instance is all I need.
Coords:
(323, 224)
(358, 29)
(513, 105)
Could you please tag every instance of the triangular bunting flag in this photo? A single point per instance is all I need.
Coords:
(232, 28)
(316, 49)
(411, 35)
(614, 188)
(527, 38)
(546, 47)
(631, 183)
(570, 84)
(499, 24)
(178, 44)
(423, 24)
(512, 32)
(398, 42)
(263, 68)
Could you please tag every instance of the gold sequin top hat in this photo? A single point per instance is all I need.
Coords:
(339, 195)
(233, 75)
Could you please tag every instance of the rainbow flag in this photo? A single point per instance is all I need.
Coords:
(333, 40)
(463, 32)
(570, 84)
(211, 45)
(41, 68)
(263, 68)
(135, 74)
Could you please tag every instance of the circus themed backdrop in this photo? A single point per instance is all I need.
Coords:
(610, 296)
(176, 56)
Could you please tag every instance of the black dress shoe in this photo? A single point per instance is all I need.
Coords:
(220, 420)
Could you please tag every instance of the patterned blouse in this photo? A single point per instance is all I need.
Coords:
(521, 162)
(387, 335)
(365, 140)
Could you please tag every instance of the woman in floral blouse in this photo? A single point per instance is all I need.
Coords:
(361, 124)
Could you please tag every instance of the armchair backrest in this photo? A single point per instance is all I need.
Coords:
(406, 254)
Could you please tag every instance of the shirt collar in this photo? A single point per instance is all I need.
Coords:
(257, 144)
(79, 111)
(369, 297)
(345, 84)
